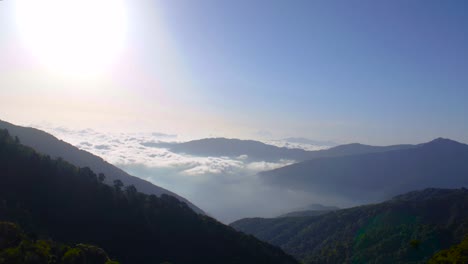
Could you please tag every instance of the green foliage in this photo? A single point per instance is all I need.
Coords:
(415, 243)
(53, 198)
(20, 249)
(409, 229)
(457, 254)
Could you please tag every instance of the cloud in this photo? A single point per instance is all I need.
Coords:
(87, 144)
(163, 135)
(263, 165)
(102, 147)
(227, 188)
(299, 144)
(243, 157)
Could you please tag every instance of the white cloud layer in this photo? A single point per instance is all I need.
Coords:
(227, 188)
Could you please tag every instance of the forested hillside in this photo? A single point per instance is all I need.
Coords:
(407, 229)
(18, 248)
(47, 144)
(57, 200)
(455, 254)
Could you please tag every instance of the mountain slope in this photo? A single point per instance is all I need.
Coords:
(378, 176)
(455, 254)
(407, 229)
(49, 145)
(53, 198)
(310, 210)
(258, 151)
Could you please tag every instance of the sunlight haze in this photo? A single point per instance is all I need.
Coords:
(160, 64)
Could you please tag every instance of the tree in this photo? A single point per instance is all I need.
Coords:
(415, 243)
(456, 254)
(131, 190)
(101, 177)
(118, 184)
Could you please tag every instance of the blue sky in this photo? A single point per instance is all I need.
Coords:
(378, 72)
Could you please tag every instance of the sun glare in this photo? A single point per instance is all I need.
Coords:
(73, 37)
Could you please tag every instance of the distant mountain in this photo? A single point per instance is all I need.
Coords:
(49, 145)
(317, 207)
(217, 147)
(258, 151)
(301, 140)
(407, 229)
(310, 210)
(50, 198)
(304, 213)
(377, 176)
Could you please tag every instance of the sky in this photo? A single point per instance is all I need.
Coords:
(375, 72)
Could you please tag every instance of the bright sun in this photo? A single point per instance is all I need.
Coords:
(71, 36)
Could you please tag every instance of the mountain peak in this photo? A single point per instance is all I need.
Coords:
(443, 141)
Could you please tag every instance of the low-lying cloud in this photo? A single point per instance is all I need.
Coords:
(225, 187)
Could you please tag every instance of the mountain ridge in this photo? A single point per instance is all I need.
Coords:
(51, 198)
(408, 230)
(373, 177)
(259, 151)
(47, 144)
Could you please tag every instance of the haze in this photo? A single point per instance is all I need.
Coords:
(351, 71)
(373, 72)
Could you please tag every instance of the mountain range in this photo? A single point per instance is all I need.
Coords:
(310, 210)
(377, 176)
(258, 151)
(51, 198)
(57, 191)
(409, 228)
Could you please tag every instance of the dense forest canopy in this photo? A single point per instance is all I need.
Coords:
(18, 248)
(407, 229)
(54, 199)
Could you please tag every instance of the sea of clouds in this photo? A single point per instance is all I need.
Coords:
(225, 187)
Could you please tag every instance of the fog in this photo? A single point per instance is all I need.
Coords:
(227, 188)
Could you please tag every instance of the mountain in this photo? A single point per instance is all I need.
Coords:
(377, 176)
(217, 147)
(52, 198)
(407, 229)
(258, 151)
(304, 213)
(17, 247)
(49, 145)
(307, 141)
(310, 210)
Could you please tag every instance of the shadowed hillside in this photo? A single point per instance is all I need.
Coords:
(47, 144)
(407, 229)
(53, 198)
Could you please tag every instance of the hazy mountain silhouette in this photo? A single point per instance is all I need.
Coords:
(377, 176)
(409, 228)
(301, 140)
(258, 151)
(47, 144)
(304, 213)
(310, 210)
